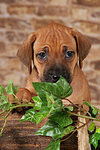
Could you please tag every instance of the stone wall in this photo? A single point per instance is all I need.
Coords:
(20, 17)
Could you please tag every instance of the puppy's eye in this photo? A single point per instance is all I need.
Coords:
(67, 53)
(43, 54)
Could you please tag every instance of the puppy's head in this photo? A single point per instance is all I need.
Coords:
(54, 51)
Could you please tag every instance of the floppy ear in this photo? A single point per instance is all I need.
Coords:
(25, 52)
(83, 45)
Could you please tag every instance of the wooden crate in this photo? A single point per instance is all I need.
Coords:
(21, 136)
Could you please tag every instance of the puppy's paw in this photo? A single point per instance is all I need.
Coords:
(23, 95)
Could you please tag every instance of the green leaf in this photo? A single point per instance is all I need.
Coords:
(94, 138)
(62, 118)
(86, 103)
(92, 110)
(54, 145)
(4, 103)
(63, 89)
(29, 116)
(60, 89)
(50, 129)
(15, 89)
(52, 104)
(65, 131)
(38, 117)
(44, 111)
(98, 130)
(58, 103)
(56, 110)
(68, 130)
(92, 126)
(1, 90)
(10, 89)
(70, 108)
(50, 100)
(38, 102)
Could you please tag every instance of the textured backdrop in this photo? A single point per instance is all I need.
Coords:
(20, 17)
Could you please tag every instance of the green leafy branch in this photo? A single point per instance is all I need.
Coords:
(5, 105)
(49, 104)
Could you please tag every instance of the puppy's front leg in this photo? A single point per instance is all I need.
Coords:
(22, 96)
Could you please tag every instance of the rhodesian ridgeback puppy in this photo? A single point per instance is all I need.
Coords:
(51, 52)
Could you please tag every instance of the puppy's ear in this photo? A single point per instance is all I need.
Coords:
(83, 45)
(25, 52)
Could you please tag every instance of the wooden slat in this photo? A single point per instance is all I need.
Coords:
(21, 135)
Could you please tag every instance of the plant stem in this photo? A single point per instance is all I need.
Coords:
(75, 131)
(21, 105)
(9, 110)
(82, 109)
(2, 129)
(55, 103)
(87, 117)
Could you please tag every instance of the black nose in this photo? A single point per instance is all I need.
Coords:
(55, 78)
(55, 72)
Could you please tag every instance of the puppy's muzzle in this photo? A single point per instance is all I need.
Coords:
(55, 72)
